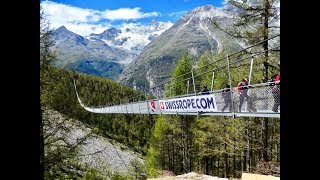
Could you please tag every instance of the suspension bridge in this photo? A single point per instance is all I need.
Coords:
(254, 100)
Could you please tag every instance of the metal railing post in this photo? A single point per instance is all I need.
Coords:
(188, 87)
(194, 85)
(127, 108)
(132, 106)
(194, 88)
(172, 87)
(148, 105)
(158, 100)
(119, 108)
(139, 105)
(250, 73)
(231, 91)
(212, 80)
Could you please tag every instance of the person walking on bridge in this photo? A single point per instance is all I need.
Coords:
(205, 91)
(243, 91)
(276, 92)
(226, 94)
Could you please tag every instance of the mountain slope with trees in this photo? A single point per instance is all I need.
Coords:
(213, 145)
(57, 93)
(194, 32)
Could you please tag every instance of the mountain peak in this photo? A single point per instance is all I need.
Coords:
(207, 7)
(154, 21)
(127, 30)
(207, 11)
(62, 28)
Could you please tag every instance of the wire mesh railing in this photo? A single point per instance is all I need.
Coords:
(257, 99)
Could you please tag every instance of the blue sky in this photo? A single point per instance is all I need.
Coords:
(84, 16)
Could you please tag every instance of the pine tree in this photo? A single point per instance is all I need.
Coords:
(257, 21)
(180, 73)
(46, 57)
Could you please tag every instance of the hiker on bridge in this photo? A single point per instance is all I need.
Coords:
(243, 92)
(276, 91)
(205, 91)
(226, 94)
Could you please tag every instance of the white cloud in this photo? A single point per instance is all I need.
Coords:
(127, 14)
(123, 26)
(84, 29)
(87, 21)
(70, 13)
(64, 13)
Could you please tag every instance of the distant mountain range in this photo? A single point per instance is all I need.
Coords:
(133, 39)
(103, 54)
(193, 32)
(143, 56)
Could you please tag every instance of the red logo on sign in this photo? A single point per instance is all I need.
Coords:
(153, 105)
(161, 105)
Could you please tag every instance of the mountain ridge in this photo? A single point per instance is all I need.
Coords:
(194, 32)
(104, 54)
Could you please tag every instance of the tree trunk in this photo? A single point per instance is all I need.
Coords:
(173, 153)
(272, 141)
(226, 164)
(214, 166)
(275, 143)
(246, 157)
(218, 169)
(265, 47)
(265, 139)
(265, 37)
(41, 147)
(190, 160)
(234, 160)
(207, 165)
(169, 156)
(211, 165)
(256, 151)
(184, 148)
(240, 163)
(244, 160)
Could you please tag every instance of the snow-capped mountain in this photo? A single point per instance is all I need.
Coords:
(133, 37)
(194, 32)
(104, 54)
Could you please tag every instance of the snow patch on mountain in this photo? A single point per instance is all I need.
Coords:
(184, 25)
(132, 37)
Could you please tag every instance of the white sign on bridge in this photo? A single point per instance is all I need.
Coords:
(204, 103)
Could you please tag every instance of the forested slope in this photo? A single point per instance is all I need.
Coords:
(132, 130)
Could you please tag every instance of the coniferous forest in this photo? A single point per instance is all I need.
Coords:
(214, 145)
(218, 146)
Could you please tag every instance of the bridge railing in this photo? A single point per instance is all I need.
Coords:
(259, 100)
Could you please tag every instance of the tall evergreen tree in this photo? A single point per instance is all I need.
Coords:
(46, 57)
(256, 21)
(180, 73)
